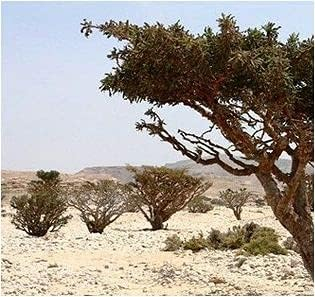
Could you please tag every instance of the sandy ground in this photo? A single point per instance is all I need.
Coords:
(125, 260)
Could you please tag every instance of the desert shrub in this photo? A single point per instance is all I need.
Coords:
(42, 208)
(199, 205)
(233, 239)
(249, 229)
(159, 192)
(263, 242)
(173, 243)
(196, 243)
(100, 204)
(235, 200)
(215, 239)
(217, 201)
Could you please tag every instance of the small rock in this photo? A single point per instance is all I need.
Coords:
(106, 266)
(240, 262)
(52, 265)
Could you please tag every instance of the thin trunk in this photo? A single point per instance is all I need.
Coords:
(156, 222)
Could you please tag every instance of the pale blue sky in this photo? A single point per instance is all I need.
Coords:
(53, 115)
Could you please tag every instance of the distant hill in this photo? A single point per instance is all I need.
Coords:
(122, 174)
(220, 178)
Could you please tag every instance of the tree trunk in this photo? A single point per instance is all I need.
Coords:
(303, 233)
(157, 222)
(295, 216)
(237, 214)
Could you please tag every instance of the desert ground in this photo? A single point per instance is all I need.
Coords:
(126, 260)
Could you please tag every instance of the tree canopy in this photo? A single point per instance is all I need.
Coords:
(256, 89)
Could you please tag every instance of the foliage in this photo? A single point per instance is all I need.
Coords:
(215, 239)
(42, 209)
(217, 201)
(257, 90)
(235, 200)
(234, 238)
(100, 204)
(173, 243)
(196, 243)
(159, 192)
(199, 205)
(263, 242)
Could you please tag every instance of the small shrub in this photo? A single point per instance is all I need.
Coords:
(196, 243)
(173, 243)
(215, 239)
(199, 205)
(249, 229)
(234, 238)
(217, 201)
(42, 209)
(100, 204)
(263, 242)
(235, 200)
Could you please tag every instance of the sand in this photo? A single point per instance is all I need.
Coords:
(125, 260)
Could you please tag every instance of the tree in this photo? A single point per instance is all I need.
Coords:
(235, 200)
(310, 190)
(42, 209)
(100, 204)
(159, 192)
(253, 88)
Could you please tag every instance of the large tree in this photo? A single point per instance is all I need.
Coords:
(257, 90)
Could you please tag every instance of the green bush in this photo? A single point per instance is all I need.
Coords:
(42, 209)
(173, 243)
(215, 239)
(264, 241)
(199, 205)
(234, 238)
(196, 243)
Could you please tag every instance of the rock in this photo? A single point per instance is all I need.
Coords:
(6, 261)
(240, 262)
(106, 266)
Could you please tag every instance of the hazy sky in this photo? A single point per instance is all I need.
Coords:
(53, 115)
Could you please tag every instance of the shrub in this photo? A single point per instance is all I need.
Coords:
(100, 204)
(249, 229)
(235, 200)
(217, 201)
(173, 243)
(263, 242)
(234, 238)
(199, 205)
(215, 239)
(42, 209)
(159, 192)
(196, 243)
